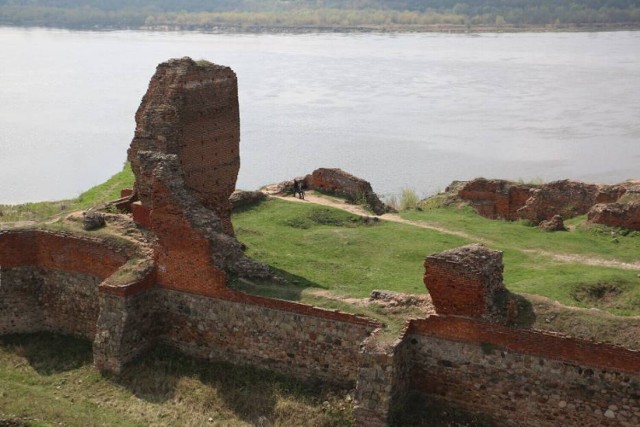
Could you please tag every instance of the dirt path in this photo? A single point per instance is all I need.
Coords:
(581, 259)
(310, 197)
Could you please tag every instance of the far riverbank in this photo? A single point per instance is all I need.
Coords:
(243, 28)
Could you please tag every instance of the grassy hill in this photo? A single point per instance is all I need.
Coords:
(330, 258)
(332, 250)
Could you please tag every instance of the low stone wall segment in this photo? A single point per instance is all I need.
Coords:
(126, 327)
(49, 281)
(522, 377)
(317, 344)
(19, 289)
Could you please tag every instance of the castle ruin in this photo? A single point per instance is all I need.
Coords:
(128, 296)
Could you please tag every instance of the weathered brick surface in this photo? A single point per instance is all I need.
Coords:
(526, 377)
(566, 198)
(59, 251)
(341, 183)
(623, 215)
(191, 110)
(192, 253)
(497, 198)
(141, 215)
(467, 281)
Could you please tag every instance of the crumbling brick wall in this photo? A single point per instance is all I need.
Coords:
(191, 110)
(192, 252)
(341, 183)
(519, 376)
(623, 215)
(50, 281)
(467, 281)
(495, 198)
(466, 360)
(502, 199)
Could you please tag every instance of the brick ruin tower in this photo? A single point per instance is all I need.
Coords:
(467, 281)
(185, 158)
(191, 110)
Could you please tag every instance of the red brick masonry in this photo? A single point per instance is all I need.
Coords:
(527, 341)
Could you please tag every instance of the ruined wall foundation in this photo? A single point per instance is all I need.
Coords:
(496, 198)
(171, 287)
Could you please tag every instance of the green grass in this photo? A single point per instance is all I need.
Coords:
(95, 196)
(48, 380)
(346, 256)
(584, 239)
(350, 259)
(528, 261)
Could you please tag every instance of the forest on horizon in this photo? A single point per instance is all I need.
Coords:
(374, 14)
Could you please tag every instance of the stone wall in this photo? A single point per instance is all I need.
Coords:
(69, 302)
(381, 381)
(525, 377)
(126, 327)
(19, 289)
(49, 281)
(308, 343)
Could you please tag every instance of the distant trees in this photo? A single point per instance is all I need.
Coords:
(207, 13)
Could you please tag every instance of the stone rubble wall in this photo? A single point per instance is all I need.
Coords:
(19, 289)
(526, 377)
(126, 327)
(381, 381)
(319, 345)
(49, 281)
(34, 299)
(69, 302)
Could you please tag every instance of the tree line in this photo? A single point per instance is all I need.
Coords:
(317, 13)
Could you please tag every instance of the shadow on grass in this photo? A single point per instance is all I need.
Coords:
(251, 394)
(289, 288)
(415, 409)
(49, 353)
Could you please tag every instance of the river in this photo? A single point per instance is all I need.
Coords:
(400, 110)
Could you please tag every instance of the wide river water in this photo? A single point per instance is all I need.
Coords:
(400, 110)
